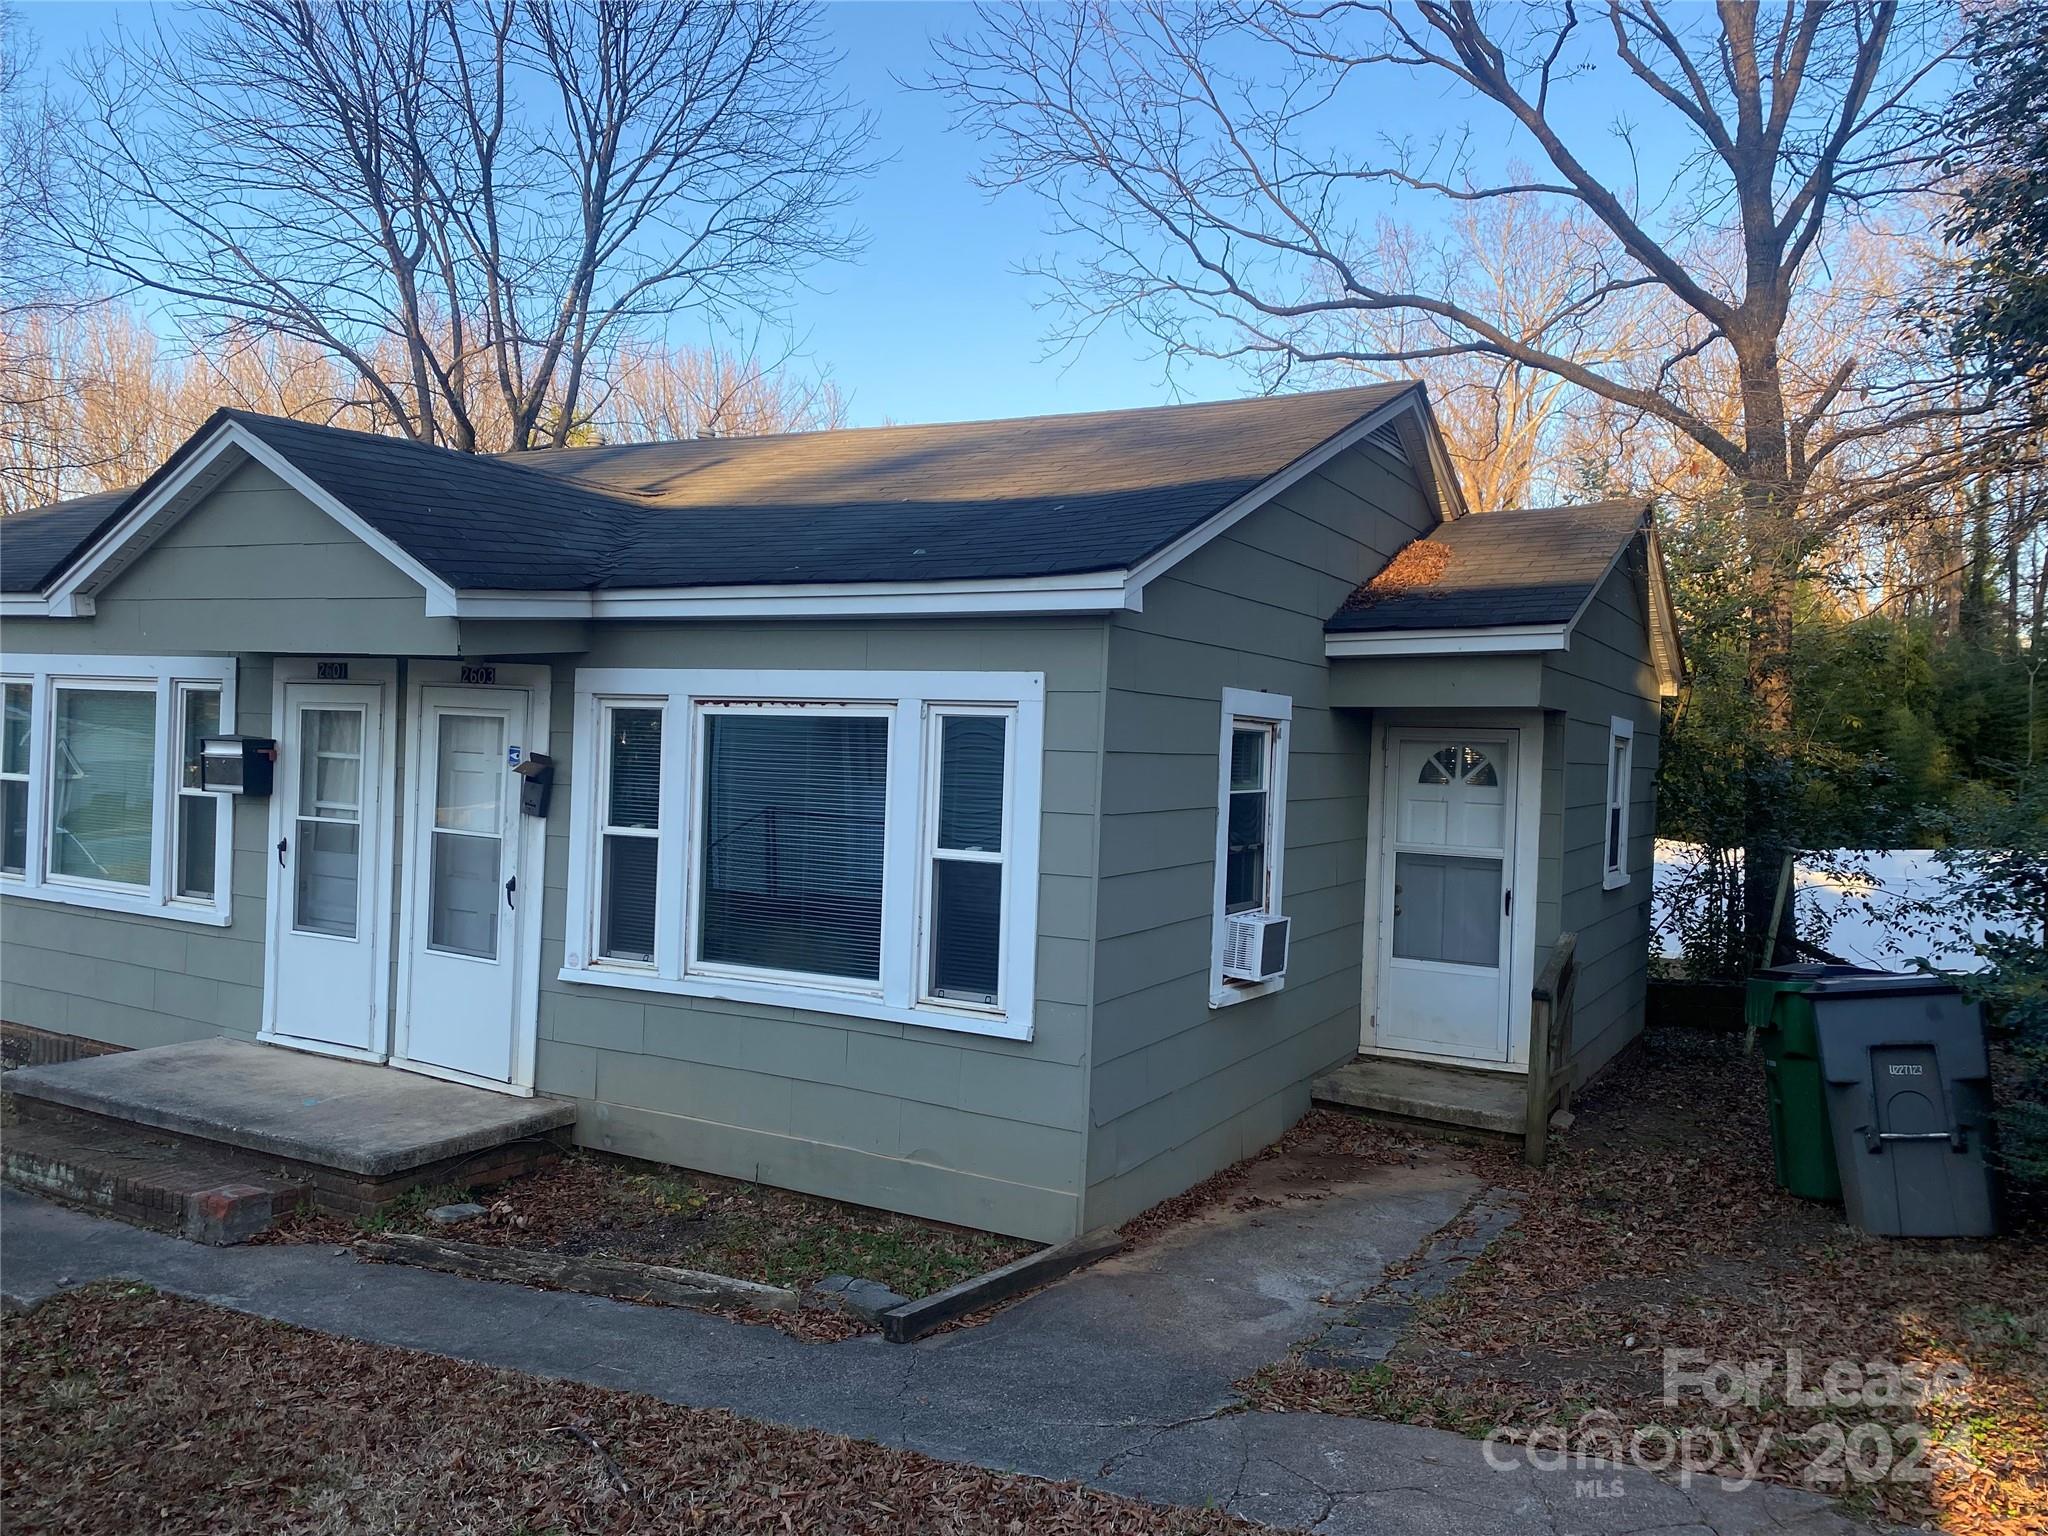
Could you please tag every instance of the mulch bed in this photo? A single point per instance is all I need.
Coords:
(1659, 1227)
(591, 1204)
(127, 1411)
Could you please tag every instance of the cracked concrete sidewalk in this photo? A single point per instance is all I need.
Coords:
(1120, 1376)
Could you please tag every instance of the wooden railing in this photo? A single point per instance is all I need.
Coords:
(1550, 1045)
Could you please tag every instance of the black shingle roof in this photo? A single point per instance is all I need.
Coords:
(36, 543)
(1534, 565)
(995, 500)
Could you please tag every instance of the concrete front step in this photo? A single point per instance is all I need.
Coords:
(360, 1136)
(215, 1197)
(1486, 1104)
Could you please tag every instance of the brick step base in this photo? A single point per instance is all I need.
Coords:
(337, 1190)
(216, 1197)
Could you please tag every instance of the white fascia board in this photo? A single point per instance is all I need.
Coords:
(1501, 640)
(1093, 592)
(34, 605)
(1164, 559)
(103, 559)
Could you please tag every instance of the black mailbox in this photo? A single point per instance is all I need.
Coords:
(237, 765)
(536, 773)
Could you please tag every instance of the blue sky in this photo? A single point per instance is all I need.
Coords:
(934, 322)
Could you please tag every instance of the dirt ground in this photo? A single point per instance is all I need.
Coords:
(125, 1411)
(594, 1205)
(1658, 1228)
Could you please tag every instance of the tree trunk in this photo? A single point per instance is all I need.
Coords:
(1770, 536)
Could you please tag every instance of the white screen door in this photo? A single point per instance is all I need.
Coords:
(1447, 891)
(328, 906)
(463, 886)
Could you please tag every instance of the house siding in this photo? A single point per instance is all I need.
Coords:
(962, 1128)
(1178, 1089)
(1607, 672)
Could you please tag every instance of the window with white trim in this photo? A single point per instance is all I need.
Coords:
(1621, 745)
(99, 798)
(855, 843)
(14, 793)
(630, 832)
(966, 816)
(1251, 823)
(195, 849)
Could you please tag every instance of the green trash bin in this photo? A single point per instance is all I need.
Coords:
(1778, 1010)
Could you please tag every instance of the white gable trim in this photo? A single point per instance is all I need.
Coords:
(226, 450)
(1166, 558)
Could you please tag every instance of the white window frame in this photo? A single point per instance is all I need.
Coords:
(601, 790)
(911, 702)
(25, 778)
(1274, 712)
(694, 962)
(169, 678)
(181, 694)
(1620, 766)
(932, 852)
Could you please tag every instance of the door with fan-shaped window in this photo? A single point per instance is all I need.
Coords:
(1447, 896)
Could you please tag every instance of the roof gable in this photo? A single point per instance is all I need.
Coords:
(1506, 581)
(1057, 499)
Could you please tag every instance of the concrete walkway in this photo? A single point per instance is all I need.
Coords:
(1119, 1377)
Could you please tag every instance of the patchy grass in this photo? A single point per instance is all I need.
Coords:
(601, 1206)
(1659, 1228)
(128, 1411)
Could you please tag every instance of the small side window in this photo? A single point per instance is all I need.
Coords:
(1620, 757)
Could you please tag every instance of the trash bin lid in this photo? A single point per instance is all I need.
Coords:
(1812, 971)
(1854, 1015)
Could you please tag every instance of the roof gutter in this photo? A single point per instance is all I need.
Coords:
(1088, 592)
(1495, 640)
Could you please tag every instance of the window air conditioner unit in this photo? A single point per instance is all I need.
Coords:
(1254, 947)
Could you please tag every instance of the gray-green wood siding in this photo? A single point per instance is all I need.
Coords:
(984, 1132)
(1178, 1089)
(1607, 672)
(962, 1128)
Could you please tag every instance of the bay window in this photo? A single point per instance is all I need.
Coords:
(858, 843)
(99, 800)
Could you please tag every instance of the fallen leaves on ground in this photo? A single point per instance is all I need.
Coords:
(128, 1411)
(1339, 1146)
(1659, 1227)
(590, 1204)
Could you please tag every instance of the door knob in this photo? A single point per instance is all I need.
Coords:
(282, 844)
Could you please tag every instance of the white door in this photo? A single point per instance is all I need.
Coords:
(463, 886)
(1447, 894)
(327, 908)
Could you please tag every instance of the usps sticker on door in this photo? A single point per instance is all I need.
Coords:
(511, 757)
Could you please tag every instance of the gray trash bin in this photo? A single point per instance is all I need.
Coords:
(1909, 1098)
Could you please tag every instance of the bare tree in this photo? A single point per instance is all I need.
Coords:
(1211, 157)
(468, 203)
(665, 393)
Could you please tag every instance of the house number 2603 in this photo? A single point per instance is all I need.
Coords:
(480, 676)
